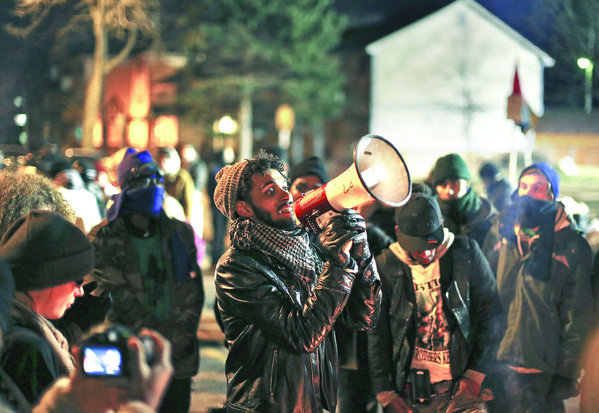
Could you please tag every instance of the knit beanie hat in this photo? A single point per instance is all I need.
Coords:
(7, 291)
(310, 166)
(131, 160)
(419, 223)
(550, 173)
(450, 166)
(45, 250)
(227, 183)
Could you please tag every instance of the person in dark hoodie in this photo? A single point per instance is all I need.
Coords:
(438, 329)
(543, 275)
(464, 211)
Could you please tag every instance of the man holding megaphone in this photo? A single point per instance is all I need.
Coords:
(279, 297)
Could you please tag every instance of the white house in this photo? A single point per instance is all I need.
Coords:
(441, 84)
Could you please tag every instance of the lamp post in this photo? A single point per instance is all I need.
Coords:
(587, 65)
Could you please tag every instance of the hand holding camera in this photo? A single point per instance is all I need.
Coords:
(149, 381)
(117, 367)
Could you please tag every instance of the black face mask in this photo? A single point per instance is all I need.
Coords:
(533, 213)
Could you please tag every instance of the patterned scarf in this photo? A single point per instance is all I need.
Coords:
(291, 248)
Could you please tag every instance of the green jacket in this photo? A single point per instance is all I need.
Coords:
(177, 314)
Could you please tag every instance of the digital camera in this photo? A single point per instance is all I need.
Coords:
(105, 353)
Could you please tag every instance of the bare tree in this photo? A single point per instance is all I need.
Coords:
(118, 19)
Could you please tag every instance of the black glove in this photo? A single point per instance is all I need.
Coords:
(338, 233)
(360, 251)
(563, 388)
(88, 310)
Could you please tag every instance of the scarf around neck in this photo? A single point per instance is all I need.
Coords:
(290, 247)
(31, 320)
(461, 210)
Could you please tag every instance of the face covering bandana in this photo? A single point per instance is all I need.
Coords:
(533, 213)
(146, 201)
(460, 210)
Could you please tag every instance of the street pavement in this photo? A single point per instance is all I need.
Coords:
(209, 385)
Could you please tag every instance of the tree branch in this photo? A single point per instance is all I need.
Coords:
(36, 19)
(122, 55)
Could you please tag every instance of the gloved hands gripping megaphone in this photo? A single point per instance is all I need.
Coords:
(378, 172)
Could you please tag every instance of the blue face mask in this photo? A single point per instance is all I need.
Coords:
(146, 200)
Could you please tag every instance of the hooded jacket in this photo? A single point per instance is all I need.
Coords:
(470, 304)
(547, 320)
(279, 330)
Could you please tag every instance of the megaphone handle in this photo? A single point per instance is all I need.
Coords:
(317, 221)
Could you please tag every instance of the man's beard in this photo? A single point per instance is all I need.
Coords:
(262, 215)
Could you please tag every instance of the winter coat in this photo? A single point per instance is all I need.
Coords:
(279, 330)
(34, 354)
(547, 321)
(470, 305)
(117, 270)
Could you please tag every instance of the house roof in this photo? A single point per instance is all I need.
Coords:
(474, 7)
(372, 20)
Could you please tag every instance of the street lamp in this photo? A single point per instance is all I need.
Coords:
(587, 65)
(225, 125)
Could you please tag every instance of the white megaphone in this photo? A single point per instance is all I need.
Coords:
(378, 172)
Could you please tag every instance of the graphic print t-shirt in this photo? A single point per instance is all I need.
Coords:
(432, 337)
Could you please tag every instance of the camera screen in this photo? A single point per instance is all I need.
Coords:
(102, 361)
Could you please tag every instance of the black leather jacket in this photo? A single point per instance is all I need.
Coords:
(279, 330)
(470, 303)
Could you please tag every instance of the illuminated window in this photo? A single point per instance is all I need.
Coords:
(138, 133)
(166, 131)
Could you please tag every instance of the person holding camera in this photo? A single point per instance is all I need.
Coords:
(437, 334)
(79, 393)
(21, 193)
(48, 257)
(148, 262)
(279, 299)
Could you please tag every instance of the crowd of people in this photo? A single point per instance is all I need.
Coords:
(457, 301)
